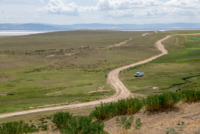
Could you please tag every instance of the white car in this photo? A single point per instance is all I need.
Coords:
(139, 74)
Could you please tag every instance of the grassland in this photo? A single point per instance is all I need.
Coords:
(27, 81)
(66, 79)
(179, 70)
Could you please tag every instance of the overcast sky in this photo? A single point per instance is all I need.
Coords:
(99, 11)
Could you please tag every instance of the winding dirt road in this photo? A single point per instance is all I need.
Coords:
(113, 79)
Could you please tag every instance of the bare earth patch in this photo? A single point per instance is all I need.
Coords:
(55, 93)
(184, 118)
(100, 89)
(3, 94)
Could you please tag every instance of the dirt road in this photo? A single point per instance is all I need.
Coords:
(113, 79)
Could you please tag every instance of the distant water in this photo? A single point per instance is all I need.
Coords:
(20, 33)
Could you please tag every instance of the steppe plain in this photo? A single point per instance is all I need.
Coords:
(63, 68)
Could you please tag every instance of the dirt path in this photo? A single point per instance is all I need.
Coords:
(119, 44)
(145, 34)
(113, 79)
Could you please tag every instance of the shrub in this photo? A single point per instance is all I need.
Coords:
(104, 111)
(61, 118)
(44, 127)
(109, 110)
(17, 128)
(164, 101)
(138, 123)
(82, 125)
(124, 124)
(134, 105)
(191, 95)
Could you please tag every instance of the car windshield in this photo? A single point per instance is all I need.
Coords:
(138, 73)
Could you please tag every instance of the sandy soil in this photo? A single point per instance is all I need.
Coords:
(184, 119)
(113, 79)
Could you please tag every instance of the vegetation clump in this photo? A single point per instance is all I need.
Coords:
(164, 101)
(128, 106)
(82, 125)
(69, 124)
(191, 95)
(61, 119)
(15, 127)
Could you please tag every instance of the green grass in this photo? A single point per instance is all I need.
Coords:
(177, 32)
(175, 71)
(27, 81)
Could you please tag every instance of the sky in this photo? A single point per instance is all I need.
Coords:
(65, 12)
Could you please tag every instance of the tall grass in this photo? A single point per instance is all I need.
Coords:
(164, 101)
(17, 128)
(191, 96)
(128, 106)
(83, 125)
(151, 103)
(69, 124)
(61, 119)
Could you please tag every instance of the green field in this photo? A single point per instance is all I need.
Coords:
(29, 79)
(179, 70)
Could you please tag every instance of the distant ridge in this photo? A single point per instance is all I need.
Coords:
(98, 26)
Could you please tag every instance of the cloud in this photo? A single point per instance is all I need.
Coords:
(42, 1)
(148, 8)
(59, 7)
(135, 9)
(125, 4)
(183, 3)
